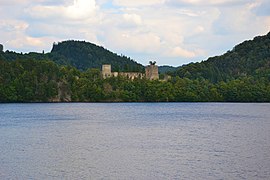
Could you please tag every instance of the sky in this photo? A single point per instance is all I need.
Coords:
(171, 32)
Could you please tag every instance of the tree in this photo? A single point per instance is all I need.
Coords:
(1, 47)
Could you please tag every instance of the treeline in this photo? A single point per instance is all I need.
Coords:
(45, 81)
(71, 73)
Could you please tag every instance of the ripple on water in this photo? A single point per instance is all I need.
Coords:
(135, 141)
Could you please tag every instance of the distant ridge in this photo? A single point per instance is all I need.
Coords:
(165, 69)
(246, 59)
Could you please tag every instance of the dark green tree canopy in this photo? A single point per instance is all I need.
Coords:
(245, 59)
(240, 75)
(84, 55)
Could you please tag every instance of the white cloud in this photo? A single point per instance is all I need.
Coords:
(11, 25)
(16, 2)
(180, 52)
(137, 3)
(80, 9)
(171, 31)
(207, 2)
(14, 37)
(133, 19)
(133, 42)
(20, 42)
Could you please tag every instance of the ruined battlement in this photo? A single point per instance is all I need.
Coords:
(151, 72)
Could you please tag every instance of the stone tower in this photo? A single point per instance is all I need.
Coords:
(151, 72)
(106, 71)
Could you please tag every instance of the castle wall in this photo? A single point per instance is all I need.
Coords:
(151, 73)
(131, 75)
(115, 74)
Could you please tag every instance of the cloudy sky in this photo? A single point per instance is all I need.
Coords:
(172, 32)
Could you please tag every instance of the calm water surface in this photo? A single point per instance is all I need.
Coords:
(135, 141)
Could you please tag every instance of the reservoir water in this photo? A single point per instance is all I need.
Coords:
(135, 141)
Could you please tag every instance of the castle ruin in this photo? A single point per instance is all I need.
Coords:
(151, 72)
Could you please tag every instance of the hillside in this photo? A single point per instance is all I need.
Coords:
(80, 54)
(84, 55)
(240, 75)
(45, 81)
(250, 58)
(166, 69)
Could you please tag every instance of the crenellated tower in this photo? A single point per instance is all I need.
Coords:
(151, 71)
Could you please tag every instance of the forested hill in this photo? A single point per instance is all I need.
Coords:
(84, 55)
(240, 75)
(250, 58)
(80, 54)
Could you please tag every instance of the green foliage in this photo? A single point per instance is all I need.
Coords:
(244, 60)
(84, 55)
(241, 75)
(45, 81)
(28, 81)
(80, 54)
(166, 69)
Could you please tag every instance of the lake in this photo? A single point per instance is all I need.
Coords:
(135, 141)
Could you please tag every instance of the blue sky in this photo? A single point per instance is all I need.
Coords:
(172, 32)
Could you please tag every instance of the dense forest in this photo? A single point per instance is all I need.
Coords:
(166, 69)
(240, 75)
(250, 58)
(84, 55)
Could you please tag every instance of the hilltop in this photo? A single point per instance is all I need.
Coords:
(84, 55)
(80, 54)
(250, 58)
